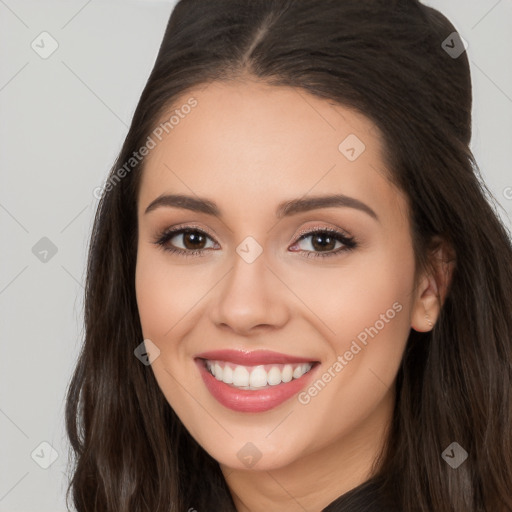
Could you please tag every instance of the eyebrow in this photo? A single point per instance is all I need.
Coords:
(284, 209)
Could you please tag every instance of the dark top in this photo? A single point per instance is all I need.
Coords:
(363, 498)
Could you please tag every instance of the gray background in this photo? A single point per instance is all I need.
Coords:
(63, 120)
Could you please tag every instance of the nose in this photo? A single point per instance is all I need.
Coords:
(251, 298)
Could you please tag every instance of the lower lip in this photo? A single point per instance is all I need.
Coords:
(242, 400)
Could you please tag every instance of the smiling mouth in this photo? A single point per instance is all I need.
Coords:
(256, 377)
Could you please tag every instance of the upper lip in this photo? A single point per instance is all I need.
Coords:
(252, 358)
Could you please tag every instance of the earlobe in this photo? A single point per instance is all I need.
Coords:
(427, 305)
(434, 288)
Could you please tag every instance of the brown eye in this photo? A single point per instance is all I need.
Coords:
(193, 240)
(186, 242)
(323, 243)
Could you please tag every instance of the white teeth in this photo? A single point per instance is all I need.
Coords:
(287, 373)
(274, 376)
(240, 376)
(256, 377)
(297, 372)
(227, 375)
(217, 371)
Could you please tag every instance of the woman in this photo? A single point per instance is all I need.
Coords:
(298, 295)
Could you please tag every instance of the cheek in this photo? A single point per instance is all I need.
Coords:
(376, 326)
(345, 300)
(157, 300)
(368, 310)
(151, 297)
(165, 293)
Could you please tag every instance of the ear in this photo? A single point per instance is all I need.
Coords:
(433, 286)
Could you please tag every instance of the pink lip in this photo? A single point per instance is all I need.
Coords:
(254, 358)
(242, 400)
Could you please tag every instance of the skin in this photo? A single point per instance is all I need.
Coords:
(247, 147)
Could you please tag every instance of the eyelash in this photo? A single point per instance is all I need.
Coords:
(163, 238)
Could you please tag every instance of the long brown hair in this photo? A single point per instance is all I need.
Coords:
(386, 59)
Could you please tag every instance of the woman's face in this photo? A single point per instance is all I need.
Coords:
(259, 291)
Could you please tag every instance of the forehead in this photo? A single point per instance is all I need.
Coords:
(250, 143)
